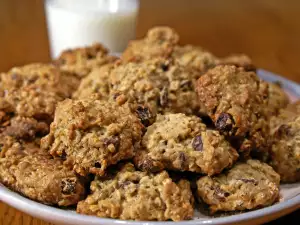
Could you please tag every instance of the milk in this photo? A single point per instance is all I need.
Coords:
(83, 22)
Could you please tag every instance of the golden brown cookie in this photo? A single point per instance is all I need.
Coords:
(194, 57)
(81, 61)
(159, 42)
(29, 103)
(285, 115)
(24, 128)
(133, 195)
(285, 153)
(40, 77)
(248, 185)
(158, 84)
(28, 98)
(183, 143)
(239, 60)
(235, 100)
(93, 134)
(277, 100)
(96, 82)
(27, 169)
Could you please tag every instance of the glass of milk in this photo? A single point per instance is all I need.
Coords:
(76, 23)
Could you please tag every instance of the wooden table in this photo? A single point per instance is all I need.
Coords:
(268, 31)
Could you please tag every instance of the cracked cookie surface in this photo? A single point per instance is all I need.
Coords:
(248, 185)
(134, 195)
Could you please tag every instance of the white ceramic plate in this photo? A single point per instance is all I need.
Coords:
(289, 201)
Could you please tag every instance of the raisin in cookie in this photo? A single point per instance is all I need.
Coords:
(34, 173)
(182, 143)
(93, 134)
(157, 84)
(80, 61)
(96, 82)
(248, 185)
(134, 195)
(234, 99)
(159, 42)
(285, 154)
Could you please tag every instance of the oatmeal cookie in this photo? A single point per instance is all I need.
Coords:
(277, 100)
(6, 110)
(142, 83)
(194, 57)
(159, 42)
(28, 102)
(80, 61)
(158, 84)
(285, 154)
(28, 97)
(134, 195)
(234, 99)
(24, 128)
(182, 143)
(284, 116)
(35, 174)
(239, 60)
(181, 92)
(96, 82)
(249, 185)
(41, 77)
(93, 134)
(26, 113)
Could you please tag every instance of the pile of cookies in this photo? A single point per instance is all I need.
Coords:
(147, 136)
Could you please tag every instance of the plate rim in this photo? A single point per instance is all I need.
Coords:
(45, 212)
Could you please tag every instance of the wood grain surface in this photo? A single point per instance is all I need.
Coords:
(267, 30)
(11, 216)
